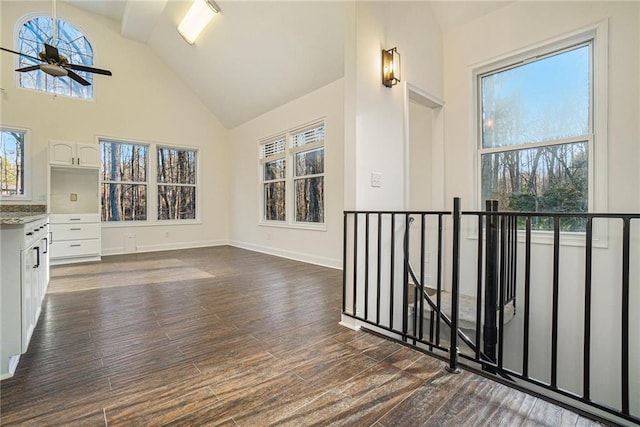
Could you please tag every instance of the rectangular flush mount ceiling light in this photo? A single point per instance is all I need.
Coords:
(198, 16)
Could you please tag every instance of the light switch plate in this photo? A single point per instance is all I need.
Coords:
(74, 197)
(376, 179)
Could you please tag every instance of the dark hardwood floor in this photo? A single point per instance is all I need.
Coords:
(225, 336)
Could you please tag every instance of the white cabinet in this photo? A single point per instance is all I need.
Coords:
(75, 238)
(74, 202)
(25, 277)
(74, 154)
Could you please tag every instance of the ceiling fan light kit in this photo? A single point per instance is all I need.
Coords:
(199, 15)
(53, 70)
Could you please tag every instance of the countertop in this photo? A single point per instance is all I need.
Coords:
(18, 218)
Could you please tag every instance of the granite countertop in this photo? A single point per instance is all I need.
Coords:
(17, 218)
(21, 214)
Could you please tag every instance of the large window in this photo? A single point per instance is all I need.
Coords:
(536, 133)
(123, 187)
(12, 162)
(71, 43)
(294, 195)
(176, 179)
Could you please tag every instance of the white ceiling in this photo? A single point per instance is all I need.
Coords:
(255, 55)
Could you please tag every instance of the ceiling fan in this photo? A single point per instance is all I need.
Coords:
(53, 63)
(57, 65)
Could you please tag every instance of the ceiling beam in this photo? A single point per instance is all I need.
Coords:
(140, 18)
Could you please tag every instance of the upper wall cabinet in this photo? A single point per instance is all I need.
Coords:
(74, 154)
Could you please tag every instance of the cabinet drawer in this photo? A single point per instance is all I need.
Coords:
(74, 218)
(75, 248)
(78, 231)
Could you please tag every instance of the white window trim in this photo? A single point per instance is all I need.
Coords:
(288, 155)
(26, 197)
(152, 185)
(597, 141)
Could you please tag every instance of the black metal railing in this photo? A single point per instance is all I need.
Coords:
(502, 256)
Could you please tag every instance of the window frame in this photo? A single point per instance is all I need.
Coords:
(266, 159)
(157, 183)
(88, 76)
(152, 185)
(288, 154)
(597, 35)
(146, 182)
(26, 167)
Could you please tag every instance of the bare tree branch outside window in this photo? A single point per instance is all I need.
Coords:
(123, 175)
(12, 146)
(536, 127)
(303, 185)
(71, 43)
(176, 177)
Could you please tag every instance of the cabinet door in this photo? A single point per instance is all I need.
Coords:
(88, 155)
(62, 153)
(28, 258)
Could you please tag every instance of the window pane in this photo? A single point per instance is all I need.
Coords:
(12, 162)
(274, 201)
(310, 162)
(176, 202)
(544, 100)
(310, 199)
(71, 44)
(123, 162)
(176, 166)
(123, 202)
(548, 179)
(274, 170)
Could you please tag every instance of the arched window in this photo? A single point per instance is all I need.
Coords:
(70, 42)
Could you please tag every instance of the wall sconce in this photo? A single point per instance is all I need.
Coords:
(390, 67)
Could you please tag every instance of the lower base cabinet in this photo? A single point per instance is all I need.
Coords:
(75, 238)
(24, 280)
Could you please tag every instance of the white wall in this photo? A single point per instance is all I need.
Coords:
(376, 144)
(143, 101)
(375, 117)
(498, 34)
(322, 247)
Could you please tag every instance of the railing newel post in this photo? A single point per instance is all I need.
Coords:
(490, 333)
(455, 289)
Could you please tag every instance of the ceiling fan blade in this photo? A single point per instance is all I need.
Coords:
(21, 54)
(88, 69)
(51, 53)
(30, 68)
(77, 78)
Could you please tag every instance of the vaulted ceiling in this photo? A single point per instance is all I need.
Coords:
(255, 55)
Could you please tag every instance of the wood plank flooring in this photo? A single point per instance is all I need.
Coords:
(240, 338)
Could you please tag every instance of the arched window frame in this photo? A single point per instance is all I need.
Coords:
(72, 42)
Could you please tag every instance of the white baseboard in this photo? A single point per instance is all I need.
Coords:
(296, 256)
(166, 247)
(11, 370)
(349, 322)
